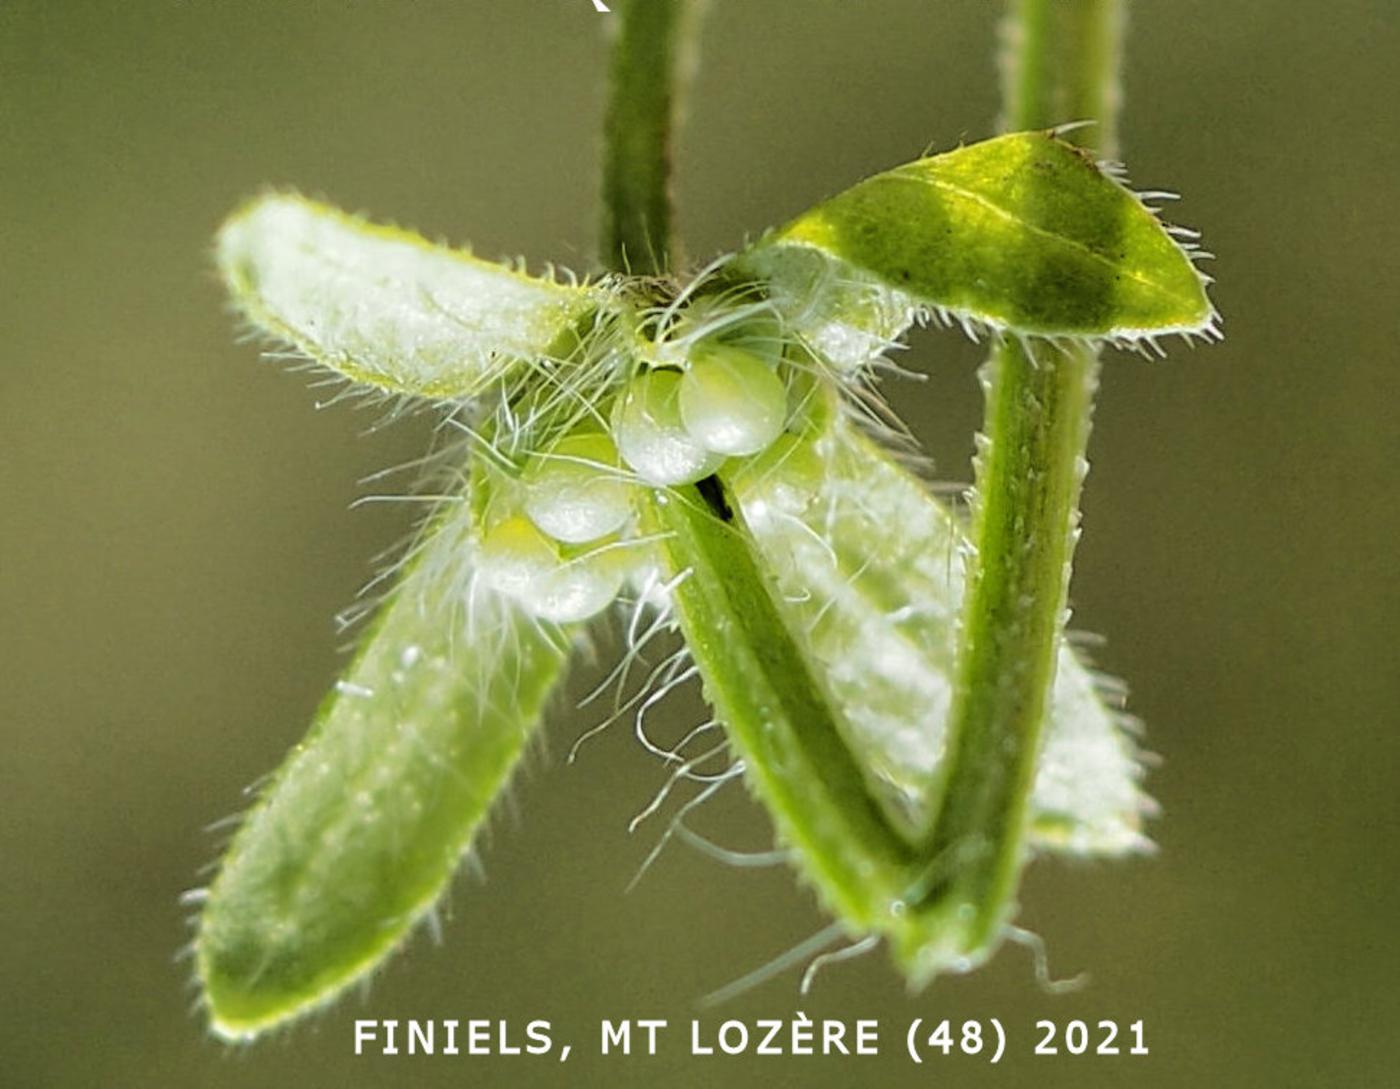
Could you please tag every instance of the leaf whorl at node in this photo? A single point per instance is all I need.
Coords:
(709, 444)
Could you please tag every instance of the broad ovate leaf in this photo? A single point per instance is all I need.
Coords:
(1024, 233)
(357, 834)
(868, 571)
(383, 307)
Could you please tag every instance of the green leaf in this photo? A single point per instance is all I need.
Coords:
(384, 307)
(359, 831)
(1024, 233)
(876, 613)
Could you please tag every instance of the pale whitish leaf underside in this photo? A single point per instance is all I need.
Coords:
(382, 306)
(869, 573)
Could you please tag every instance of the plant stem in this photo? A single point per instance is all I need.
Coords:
(1062, 66)
(641, 110)
(775, 712)
(773, 709)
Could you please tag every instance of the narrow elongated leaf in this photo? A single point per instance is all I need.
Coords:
(383, 306)
(1023, 232)
(869, 573)
(361, 828)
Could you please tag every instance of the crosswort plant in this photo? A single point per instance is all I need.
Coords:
(707, 453)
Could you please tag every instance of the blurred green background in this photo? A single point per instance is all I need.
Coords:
(174, 532)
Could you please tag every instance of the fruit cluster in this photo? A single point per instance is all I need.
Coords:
(556, 547)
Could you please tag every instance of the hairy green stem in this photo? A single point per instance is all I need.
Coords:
(1061, 66)
(774, 710)
(760, 685)
(641, 113)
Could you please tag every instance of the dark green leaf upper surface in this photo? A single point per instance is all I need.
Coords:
(1023, 232)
